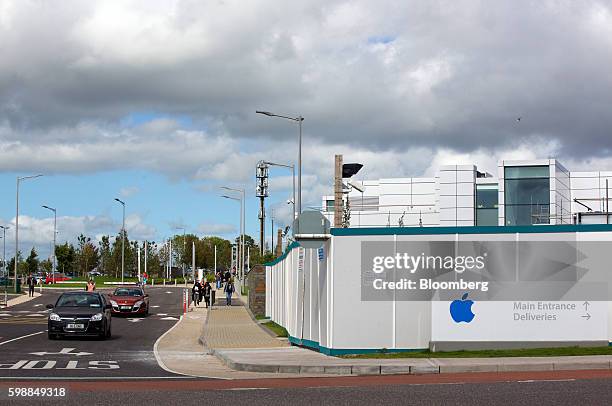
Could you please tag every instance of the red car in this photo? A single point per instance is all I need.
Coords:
(58, 277)
(129, 300)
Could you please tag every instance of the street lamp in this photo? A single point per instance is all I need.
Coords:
(19, 179)
(4, 228)
(292, 167)
(299, 120)
(241, 200)
(122, 240)
(54, 234)
(183, 255)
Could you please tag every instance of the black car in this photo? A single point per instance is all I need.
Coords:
(80, 314)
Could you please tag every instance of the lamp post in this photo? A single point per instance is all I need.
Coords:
(242, 226)
(240, 259)
(19, 179)
(122, 240)
(54, 236)
(184, 251)
(299, 120)
(292, 167)
(4, 228)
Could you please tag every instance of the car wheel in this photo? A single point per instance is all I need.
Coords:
(104, 333)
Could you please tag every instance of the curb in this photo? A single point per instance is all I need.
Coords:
(409, 369)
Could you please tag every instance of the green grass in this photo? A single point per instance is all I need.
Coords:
(526, 352)
(261, 318)
(276, 329)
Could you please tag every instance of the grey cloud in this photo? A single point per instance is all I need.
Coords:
(449, 75)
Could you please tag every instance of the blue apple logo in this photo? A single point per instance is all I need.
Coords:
(461, 310)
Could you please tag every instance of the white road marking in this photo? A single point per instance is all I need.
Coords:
(168, 291)
(161, 314)
(5, 315)
(35, 315)
(168, 318)
(37, 305)
(63, 351)
(19, 338)
(156, 306)
(135, 320)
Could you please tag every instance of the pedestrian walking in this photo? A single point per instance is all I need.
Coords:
(229, 290)
(207, 289)
(218, 279)
(31, 281)
(195, 292)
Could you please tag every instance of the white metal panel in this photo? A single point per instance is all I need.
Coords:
(465, 201)
(466, 176)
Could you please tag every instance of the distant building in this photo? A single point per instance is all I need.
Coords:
(526, 192)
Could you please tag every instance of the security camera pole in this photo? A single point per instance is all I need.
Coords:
(19, 179)
(122, 241)
(54, 237)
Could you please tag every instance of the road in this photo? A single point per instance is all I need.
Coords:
(129, 353)
(124, 368)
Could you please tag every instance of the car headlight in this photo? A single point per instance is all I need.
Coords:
(54, 317)
(138, 303)
(114, 304)
(96, 317)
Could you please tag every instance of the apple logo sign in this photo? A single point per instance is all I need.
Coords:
(461, 309)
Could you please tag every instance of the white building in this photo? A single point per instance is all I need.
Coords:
(523, 193)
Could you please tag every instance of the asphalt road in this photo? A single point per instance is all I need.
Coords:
(541, 392)
(128, 353)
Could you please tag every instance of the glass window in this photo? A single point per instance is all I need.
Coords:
(78, 300)
(527, 191)
(520, 172)
(486, 217)
(486, 197)
(329, 205)
(527, 195)
(527, 214)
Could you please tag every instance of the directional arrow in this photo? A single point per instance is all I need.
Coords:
(586, 316)
(586, 305)
(64, 351)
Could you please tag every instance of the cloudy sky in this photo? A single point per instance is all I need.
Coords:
(154, 101)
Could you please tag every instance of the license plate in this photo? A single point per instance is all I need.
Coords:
(75, 326)
(126, 307)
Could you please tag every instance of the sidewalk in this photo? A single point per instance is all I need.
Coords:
(21, 299)
(227, 343)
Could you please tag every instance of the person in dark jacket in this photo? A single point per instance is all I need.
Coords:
(195, 293)
(207, 289)
(229, 290)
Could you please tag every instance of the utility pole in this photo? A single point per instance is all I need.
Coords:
(272, 230)
(338, 204)
(122, 241)
(4, 250)
(54, 237)
(19, 179)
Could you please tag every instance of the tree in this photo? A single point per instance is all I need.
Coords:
(66, 256)
(32, 262)
(46, 265)
(87, 257)
(106, 255)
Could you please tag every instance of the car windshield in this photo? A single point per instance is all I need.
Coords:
(78, 300)
(128, 292)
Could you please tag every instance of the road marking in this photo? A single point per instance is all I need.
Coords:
(63, 351)
(38, 305)
(168, 318)
(134, 320)
(161, 314)
(19, 338)
(35, 315)
(156, 306)
(168, 291)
